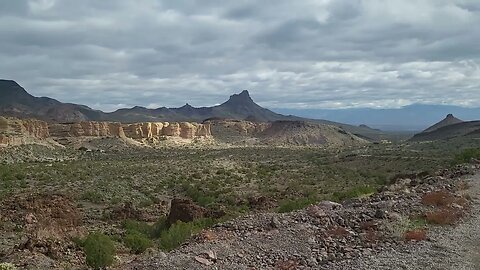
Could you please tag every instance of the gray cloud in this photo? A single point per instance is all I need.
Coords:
(289, 54)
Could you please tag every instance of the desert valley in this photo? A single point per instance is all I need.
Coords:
(245, 188)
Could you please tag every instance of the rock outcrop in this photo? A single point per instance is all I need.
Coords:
(87, 128)
(15, 131)
(151, 130)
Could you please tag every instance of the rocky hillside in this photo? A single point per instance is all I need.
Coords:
(329, 235)
(281, 133)
(304, 133)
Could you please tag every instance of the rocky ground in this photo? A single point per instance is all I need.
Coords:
(376, 232)
(453, 248)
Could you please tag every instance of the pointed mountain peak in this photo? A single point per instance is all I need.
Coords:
(186, 106)
(449, 120)
(244, 93)
(242, 98)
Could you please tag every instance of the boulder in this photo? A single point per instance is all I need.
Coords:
(185, 210)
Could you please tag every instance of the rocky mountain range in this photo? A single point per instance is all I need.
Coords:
(15, 101)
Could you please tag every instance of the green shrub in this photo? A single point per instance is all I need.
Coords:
(292, 205)
(99, 249)
(159, 226)
(137, 242)
(467, 155)
(175, 235)
(179, 232)
(133, 226)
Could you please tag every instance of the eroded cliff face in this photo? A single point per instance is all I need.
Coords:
(15, 131)
(151, 130)
(88, 128)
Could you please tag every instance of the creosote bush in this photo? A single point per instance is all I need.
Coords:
(179, 232)
(137, 242)
(99, 249)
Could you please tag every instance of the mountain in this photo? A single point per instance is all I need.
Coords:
(415, 117)
(15, 101)
(449, 128)
(449, 120)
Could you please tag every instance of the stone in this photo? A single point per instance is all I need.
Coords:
(185, 210)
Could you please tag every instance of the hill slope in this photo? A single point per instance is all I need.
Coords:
(471, 128)
(15, 101)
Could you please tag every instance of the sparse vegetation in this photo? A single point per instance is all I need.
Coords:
(137, 242)
(99, 249)
(467, 155)
(291, 205)
(444, 216)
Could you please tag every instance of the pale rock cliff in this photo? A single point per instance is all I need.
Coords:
(15, 131)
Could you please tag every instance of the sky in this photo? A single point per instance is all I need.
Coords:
(305, 54)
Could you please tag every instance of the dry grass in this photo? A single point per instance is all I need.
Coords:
(444, 216)
(443, 198)
(416, 235)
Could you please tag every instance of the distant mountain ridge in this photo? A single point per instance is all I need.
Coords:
(16, 101)
(415, 117)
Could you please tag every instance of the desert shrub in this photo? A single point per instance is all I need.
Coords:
(137, 242)
(99, 250)
(400, 227)
(7, 266)
(467, 155)
(133, 226)
(352, 193)
(292, 205)
(159, 226)
(92, 196)
(442, 198)
(444, 216)
(179, 232)
(416, 235)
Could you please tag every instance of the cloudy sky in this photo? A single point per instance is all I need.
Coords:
(290, 54)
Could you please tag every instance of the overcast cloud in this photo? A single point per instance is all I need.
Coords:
(290, 54)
